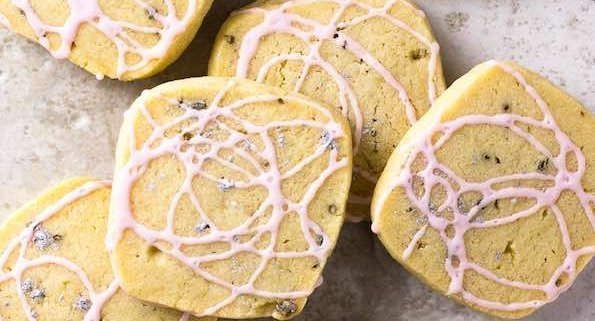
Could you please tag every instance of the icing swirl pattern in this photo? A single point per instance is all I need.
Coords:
(452, 230)
(166, 25)
(313, 33)
(244, 238)
(94, 301)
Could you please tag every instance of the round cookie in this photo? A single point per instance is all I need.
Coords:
(229, 196)
(55, 265)
(489, 198)
(124, 39)
(375, 60)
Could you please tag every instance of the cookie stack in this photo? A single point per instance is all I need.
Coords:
(230, 190)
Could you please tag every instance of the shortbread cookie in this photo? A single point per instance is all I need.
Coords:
(489, 198)
(55, 265)
(376, 61)
(124, 39)
(229, 196)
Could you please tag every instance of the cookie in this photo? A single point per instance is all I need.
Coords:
(489, 198)
(127, 39)
(55, 265)
(229, 196)
(375, 61)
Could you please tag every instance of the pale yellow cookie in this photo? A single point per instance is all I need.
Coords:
(374, 60)
(489, 198)
(229, 196)
(124, 39)
(55, 265)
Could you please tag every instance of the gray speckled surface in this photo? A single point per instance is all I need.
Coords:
(57, 121)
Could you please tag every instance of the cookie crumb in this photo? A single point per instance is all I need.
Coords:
(230, 39)
(202, 227)
(27, 286)
(543, 165)
(332, 209)
(82, 304)
(37, 294)
(370, 131)
(286, 308)
(319, 240)
(433, 209)
(248, 145)
(196, 105)
(280, 138)
(151, 13)
(418, 54)
(225, 184)
(43, 239)
(326, 140)
(187, 136)
(462, 207)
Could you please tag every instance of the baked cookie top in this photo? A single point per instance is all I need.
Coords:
(124, 39)
(229, 196)
(374, 60)
(55, 265)
(489, 198)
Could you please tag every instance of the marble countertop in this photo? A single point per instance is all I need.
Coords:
(57, 121)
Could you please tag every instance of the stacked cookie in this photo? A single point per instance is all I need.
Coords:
(323, 49)
(230, 190)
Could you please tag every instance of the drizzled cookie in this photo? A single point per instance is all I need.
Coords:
(375, 61)
(55, 265)
(124, 39)
(489, 198)
(228, 198)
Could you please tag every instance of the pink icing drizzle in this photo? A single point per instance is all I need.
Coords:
(90, 12)
(98, 299)
(122, 217)
(22, 264)
(463, 222)
(280, 20)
